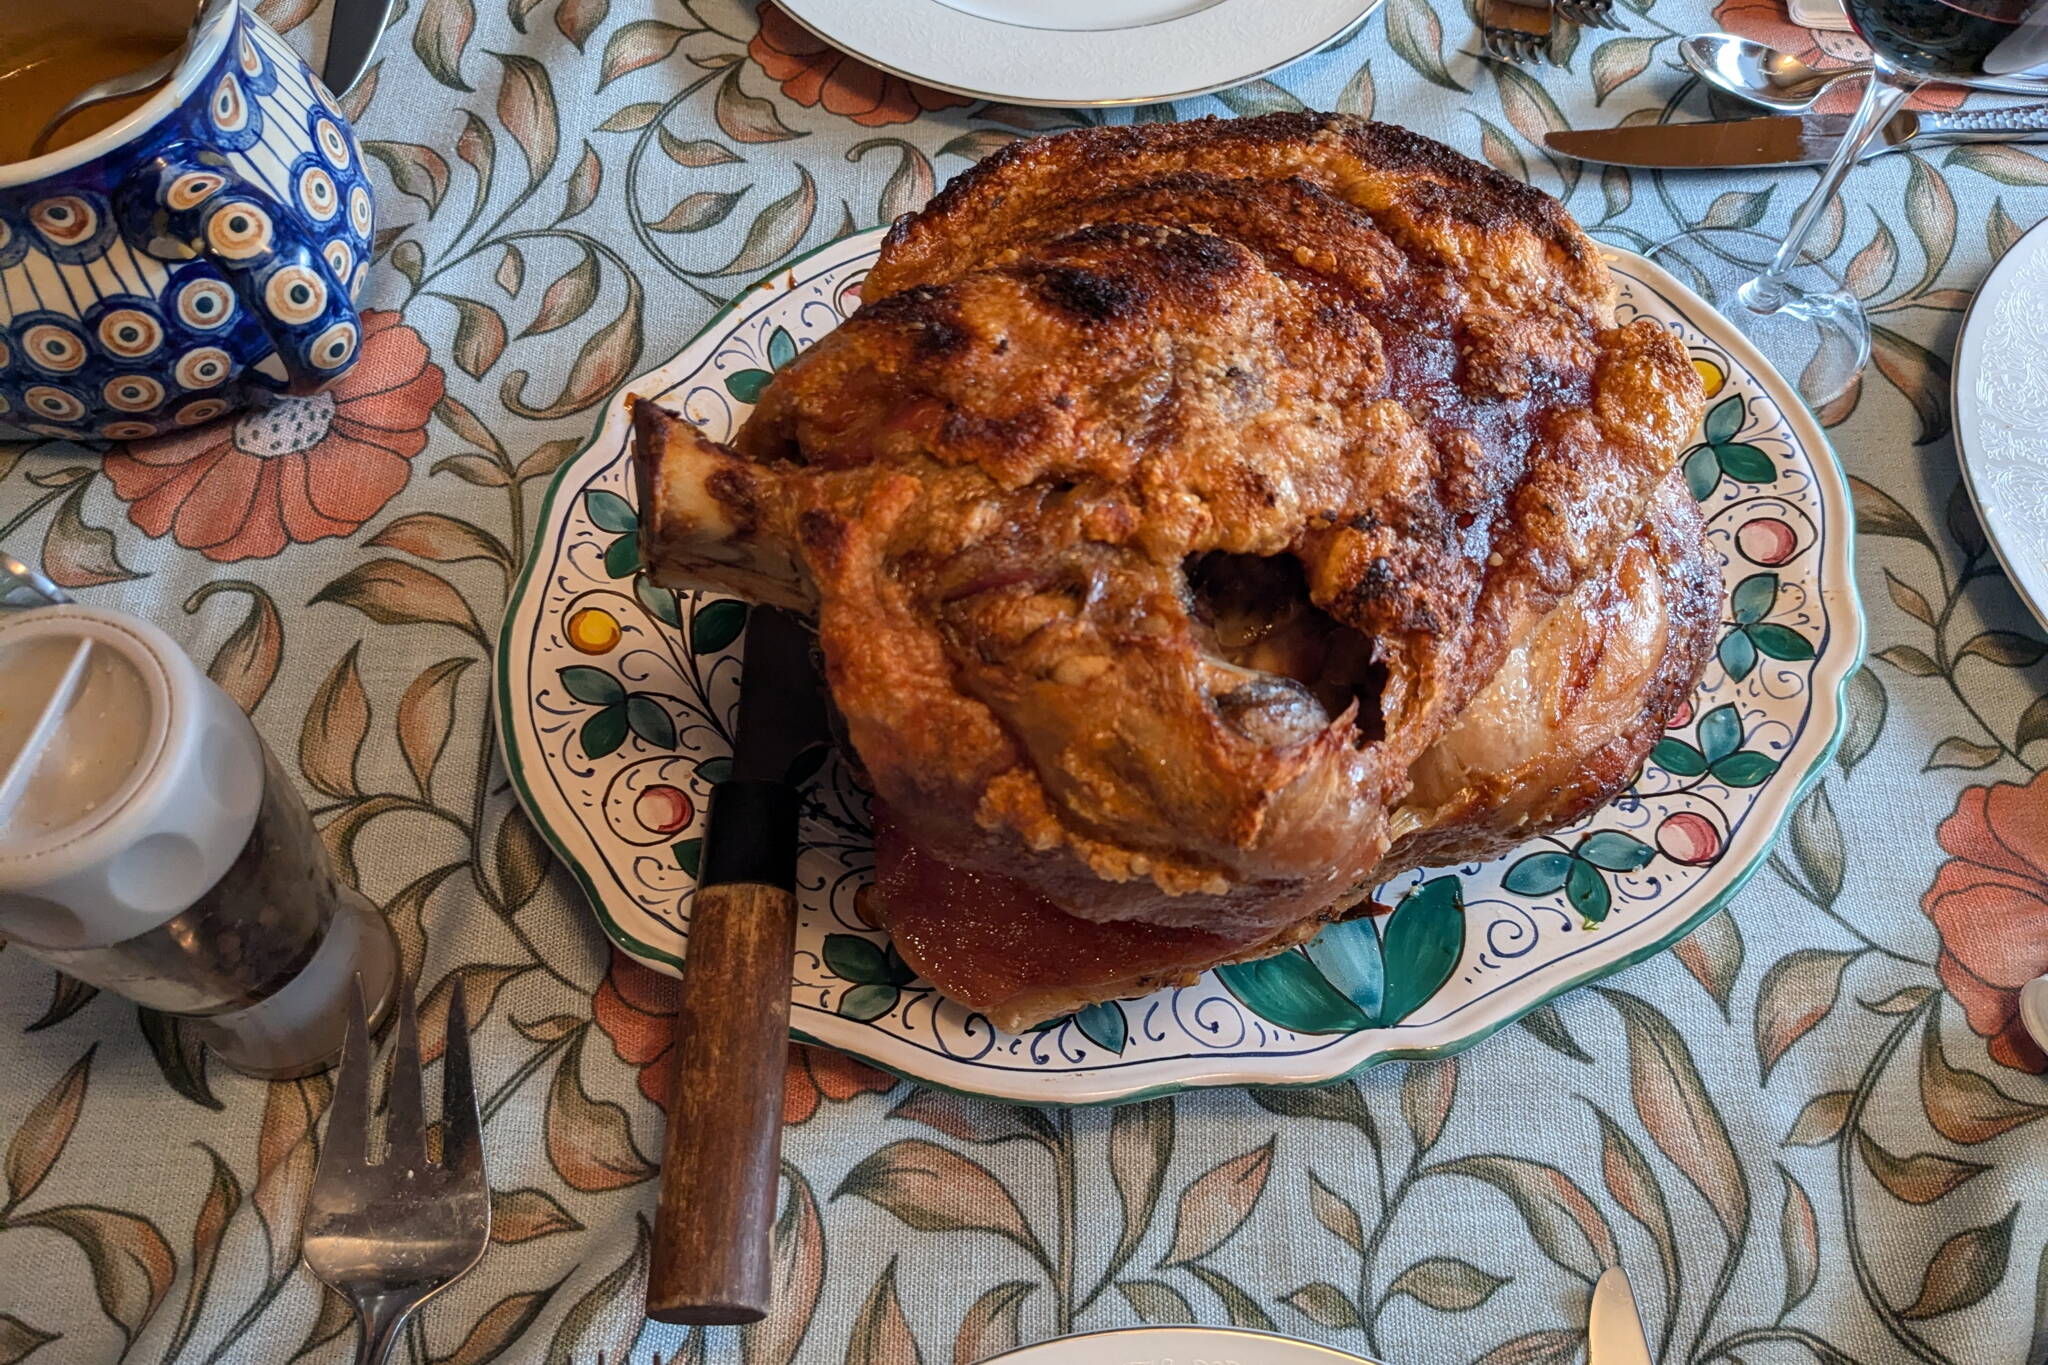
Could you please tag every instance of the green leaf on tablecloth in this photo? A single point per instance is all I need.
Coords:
(1822, 1119)
(632, 46)
(1911, 660)
(1957, 752)
(1618, 61)
(479, 334)
(1864, 722)
(1931, 211)
(1447, 1284)
(978, 143)
(1288, 991)
(1919, 374)
(1239, 1306)
(418, 171)
(1798, 1241)
(622, 556)
(1336, 1214)
(1796, 994)
(477, 145)
(1961, 1105)
(990, 1325)
(1556, 1345)
(40, 1140)
(1745, 769)
(578, 19)
(526, 109)
(1702, 472)
(650, 720)
(439, 36)
(1677, 757)
(2001, 233)
(696, 153)
(2007, 165)
(2033, 723)
(132, 1265)
(868, 1002)
(592, 686)
(936, 1189)
(1878, 513)
(698, 211)
(1781, 642)
(776, 230)
(745, 118)
(511, 272)
(1818, 847)
(2006, 647)
(1964, 1271)
(1338, 1103)
(1908, 598)
(1753, 597)
(1921, 1178)
(1679, 1116)
(1417, 37)
(1259, 97)
(1547, 1027)
(633, 117)
(223, 1200)
(1216, 1204)
(1500, 150)
(1103, 1024)
(18, 1340)
(1735, 209)
(1348, 955)
(1634, 1184)
(1737, 653)
(1538, 874)
(1358, 95)
(68, 995)
(1745, 463)
(246, 663)
(971, 1118)
(502, 1325)
(1425, 938)
(1871, 270)
(392, 592)
(1534, 114)
(1587, 892)
(589, 1327)
(569, 297)
(1723, 420)
(1155, 1304)
(1428, 1090)
(1568, 1227)
(604, 732)
(1713, 954)
(881, 1335)
(1614, 851)
(1904, 1000)
(78, 555)
(336, 724)
(1964, 525)
(716, 624)
(1325, 1305)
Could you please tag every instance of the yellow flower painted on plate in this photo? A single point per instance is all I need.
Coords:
(1711, 374)
(593, 631)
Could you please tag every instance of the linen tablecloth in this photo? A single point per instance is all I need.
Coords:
(1807, 1132)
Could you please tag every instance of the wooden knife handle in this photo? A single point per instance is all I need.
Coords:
(723, 1154)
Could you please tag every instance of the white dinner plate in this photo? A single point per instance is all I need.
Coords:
(1176, 1346)
(2001, 413)
(1080, 52)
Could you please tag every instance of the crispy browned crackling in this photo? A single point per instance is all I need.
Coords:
(1113, 386)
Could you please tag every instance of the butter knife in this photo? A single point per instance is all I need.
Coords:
(1614, 1333)
(1802, 140)
(352, 34)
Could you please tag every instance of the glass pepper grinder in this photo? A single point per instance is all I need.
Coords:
(152, 846)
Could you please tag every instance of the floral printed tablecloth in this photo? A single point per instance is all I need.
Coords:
(1807, 1131)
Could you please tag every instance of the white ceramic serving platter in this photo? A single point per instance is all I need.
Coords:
(1176, 1346)
(1080, 52)
(2000, 402)
(616, 701)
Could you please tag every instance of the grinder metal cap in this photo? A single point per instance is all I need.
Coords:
(129, 782)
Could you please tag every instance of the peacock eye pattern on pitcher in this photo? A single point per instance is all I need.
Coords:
(125, 313)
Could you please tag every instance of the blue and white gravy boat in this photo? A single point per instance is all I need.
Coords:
(201, 255)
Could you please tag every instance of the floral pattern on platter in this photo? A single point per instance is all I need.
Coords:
(618, 700)
(202, 262)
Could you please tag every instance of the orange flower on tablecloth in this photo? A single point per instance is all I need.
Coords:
(1990, 905)
(301, 470)
(1766, 21)
(636, 1009)
(813, 72)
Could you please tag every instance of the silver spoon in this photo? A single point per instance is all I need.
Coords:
(21, 586)
(112, 88)
(1759, 74)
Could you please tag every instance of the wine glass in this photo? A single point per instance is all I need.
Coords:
(1796, 310)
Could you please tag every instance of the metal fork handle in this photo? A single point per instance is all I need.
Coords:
(383, 1314)
(2017, 123)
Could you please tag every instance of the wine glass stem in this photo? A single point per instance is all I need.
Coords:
(1882, 95)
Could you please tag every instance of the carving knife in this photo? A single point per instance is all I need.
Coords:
(1801, 140)
(352, 34)
(721, 1159)
(1614, 1333)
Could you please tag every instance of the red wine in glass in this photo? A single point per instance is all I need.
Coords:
(1956, 40)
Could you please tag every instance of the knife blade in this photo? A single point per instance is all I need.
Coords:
(1614, 1331)
(722, 1155)
(1789, 140)
(352, 36)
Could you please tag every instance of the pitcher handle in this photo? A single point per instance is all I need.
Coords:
(183, 204)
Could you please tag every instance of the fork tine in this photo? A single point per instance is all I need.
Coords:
(405, 1131)
(461, 1124)
(348, 1122)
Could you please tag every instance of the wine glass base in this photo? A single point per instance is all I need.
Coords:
(1812, 329)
